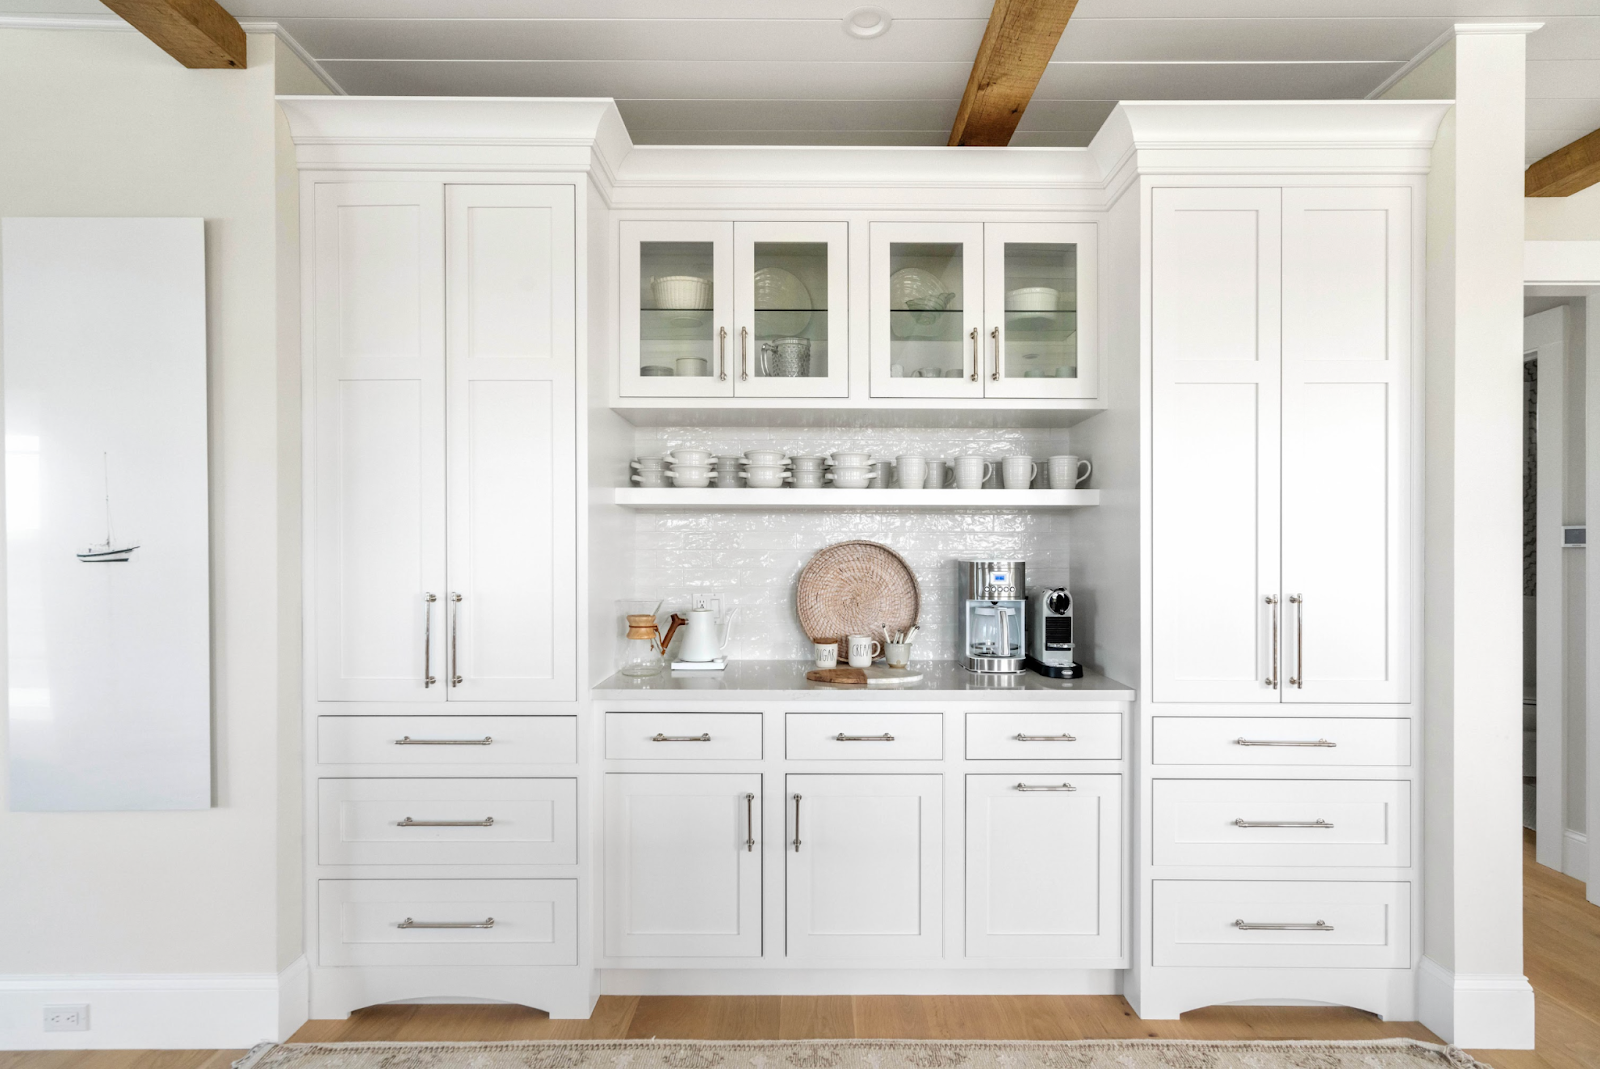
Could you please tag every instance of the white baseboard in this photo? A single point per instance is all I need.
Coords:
(860, 982)
(1482, 1011)
(1575, 855)
(156, 1011)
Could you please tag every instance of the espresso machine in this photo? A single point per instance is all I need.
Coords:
(1050, 641)
(993, 616)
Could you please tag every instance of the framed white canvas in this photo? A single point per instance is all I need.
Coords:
(107, 552)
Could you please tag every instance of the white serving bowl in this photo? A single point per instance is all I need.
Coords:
(694, 458)
(1033, 299)
(851, 460)
(689, 475)
(851, 478)
(765, 477)
(682, 291)
(766, 458)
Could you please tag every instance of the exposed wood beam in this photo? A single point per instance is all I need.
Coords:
(1566, 170)
(1017, 45)
(196, 33)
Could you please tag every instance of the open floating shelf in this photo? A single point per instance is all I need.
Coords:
(672, 499)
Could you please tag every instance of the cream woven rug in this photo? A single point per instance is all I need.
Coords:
(862, 1054)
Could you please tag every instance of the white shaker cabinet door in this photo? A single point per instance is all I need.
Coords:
(1214, 316)
(683, 865)
(864, 866)
(1044, 866)
(511, 357)
(1347, 355)
(377, 338)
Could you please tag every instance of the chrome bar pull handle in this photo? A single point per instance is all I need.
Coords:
(842, 737)
(486, 822)
(487, 740)
(1045, 787)
(797, 823)
(1298, 680)
(455, 618)
(1258, 926)
(1318, 823)
(1272, 680)
(1242, 741)
(428, 679)
(749, 823)
(744, 354)
(994, 375)
(487, 922)
(974, 354)
(722, 354)
(658, 737)
(1044, 738)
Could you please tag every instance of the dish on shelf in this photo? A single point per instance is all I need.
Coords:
(654, 371)
(1033, 299)
(920, 292)
(785, 301)
(688, 292)
(856, 588)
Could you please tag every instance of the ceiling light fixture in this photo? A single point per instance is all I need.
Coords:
(867, 22)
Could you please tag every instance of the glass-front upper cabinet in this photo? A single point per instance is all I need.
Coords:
(927, 309)
(717, 309)
(1039, 310)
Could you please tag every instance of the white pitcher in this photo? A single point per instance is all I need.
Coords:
(705, 642)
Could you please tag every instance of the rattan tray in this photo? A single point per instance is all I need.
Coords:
(855, 588)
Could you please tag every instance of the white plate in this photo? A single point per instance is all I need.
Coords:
(785, 299)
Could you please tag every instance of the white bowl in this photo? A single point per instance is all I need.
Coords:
(850, 480)
(768, 458)
(681, 291)
(766, 477)
(851, 460)
(690, 476)
(649, 463)
(1033, 299)
(808, 463)
(695, 458)
(807, 480)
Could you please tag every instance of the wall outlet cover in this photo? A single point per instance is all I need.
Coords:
(706, 601)
(67, 1018)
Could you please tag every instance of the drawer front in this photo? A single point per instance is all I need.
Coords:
(447, 822)
(683, 736)
(864, 736)
(1281, 822)
(1265, 741)
(447, 740)
(1044, 736)
(1304, 925)
(535, 922)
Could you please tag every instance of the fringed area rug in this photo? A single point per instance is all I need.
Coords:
(862, 1054)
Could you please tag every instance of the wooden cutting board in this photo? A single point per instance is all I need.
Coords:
(876, 676)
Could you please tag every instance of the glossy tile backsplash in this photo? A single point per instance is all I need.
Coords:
(753, 559)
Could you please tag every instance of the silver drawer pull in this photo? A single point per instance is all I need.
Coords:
(409, 741)
(1241, 741)
(1045, 738)
(1257, 926)
(1045, 787)
(1318, 823)
(658, 737)
(842, 737)
(487, 922)
(486, 822)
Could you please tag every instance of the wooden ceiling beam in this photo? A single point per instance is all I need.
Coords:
(1017, 46)
(1566, 170)
(196, 33)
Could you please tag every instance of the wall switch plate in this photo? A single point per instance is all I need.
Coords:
(706, 601)
(67, 1018)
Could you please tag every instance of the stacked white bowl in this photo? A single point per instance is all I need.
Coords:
(808, 472)
(652, 472)
(728, 471)
(690, 467)
(851, 471)
(765, 468)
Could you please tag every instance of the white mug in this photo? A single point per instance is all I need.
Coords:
(693, 365)
(1066, 473)
(911, 472)
(882, 473)
(827, 653)
(862, 650)
(1018, 472)
(936, 475)
(972, 472)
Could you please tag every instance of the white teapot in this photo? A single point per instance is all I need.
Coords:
(704, 640)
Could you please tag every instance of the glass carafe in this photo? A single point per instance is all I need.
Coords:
(640, 652)
(983, 632)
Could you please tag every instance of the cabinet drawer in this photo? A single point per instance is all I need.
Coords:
(1281, 740)
(683, 736)
(535, 922)
(1362, 925)
(1329, 822)
(864, 736)
(1044, 736)
(364, 821)
(447, 740)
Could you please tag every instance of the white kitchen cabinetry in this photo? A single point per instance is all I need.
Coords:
(1044, 866)
(683, 865)
(1280, 339)
(864, 866)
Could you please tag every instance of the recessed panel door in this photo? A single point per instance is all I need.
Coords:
(1040, 297)
(790, 295)
(677, 330)
(927, 309)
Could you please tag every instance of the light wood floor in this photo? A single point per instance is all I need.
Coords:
(1562, 960)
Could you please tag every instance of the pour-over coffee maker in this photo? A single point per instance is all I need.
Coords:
(993, 616)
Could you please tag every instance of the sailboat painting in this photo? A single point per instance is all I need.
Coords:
(110, 551)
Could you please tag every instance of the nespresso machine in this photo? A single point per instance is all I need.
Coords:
(1050, 641)
(993, 616)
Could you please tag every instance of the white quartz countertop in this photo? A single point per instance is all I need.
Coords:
(765, 680)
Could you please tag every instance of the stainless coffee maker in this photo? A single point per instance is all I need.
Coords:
(993, 616)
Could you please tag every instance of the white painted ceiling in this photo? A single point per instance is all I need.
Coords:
(785, 72)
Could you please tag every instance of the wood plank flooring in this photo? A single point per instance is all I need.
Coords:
(1562, 960)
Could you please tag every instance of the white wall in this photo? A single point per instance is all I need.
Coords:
(1574, 218)
(149, 915)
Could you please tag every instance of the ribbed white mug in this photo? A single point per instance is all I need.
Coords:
(1067, 473)
(972, 472)
(1018, 472)
(911, 472)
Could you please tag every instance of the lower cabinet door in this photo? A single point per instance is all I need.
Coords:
(1044, 866)
(864, 864)
(683, 865)
(447, 922)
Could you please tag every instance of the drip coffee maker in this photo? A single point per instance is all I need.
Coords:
(993, 616)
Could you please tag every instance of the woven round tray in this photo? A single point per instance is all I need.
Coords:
(856, 588)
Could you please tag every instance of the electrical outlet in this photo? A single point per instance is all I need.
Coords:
(67, 1018)
(706, 601)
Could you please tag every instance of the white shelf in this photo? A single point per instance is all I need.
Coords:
(712, 498)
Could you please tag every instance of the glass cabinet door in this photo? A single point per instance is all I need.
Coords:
(676, 321)
(790, 310)
(1039, 300)
(927, 294)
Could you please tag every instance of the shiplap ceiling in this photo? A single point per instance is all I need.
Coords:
(785, 72)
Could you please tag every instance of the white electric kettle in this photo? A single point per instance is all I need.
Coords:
(704, 641)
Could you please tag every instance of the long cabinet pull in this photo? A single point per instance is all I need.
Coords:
(1259, 926)
(749, 823)
(1298, 680)
(797, 823)
(974, 354)
(1272, 680)
(842, 737)
(487, 922)
(1045, 787)
(487, 740)
(1242, 741)
(486, 822)
(658, 737)
(455, 618)
(744, 353)
(1318, 823)
(428, 679)
(722, 354)
(1044, 738)
(994, 375)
